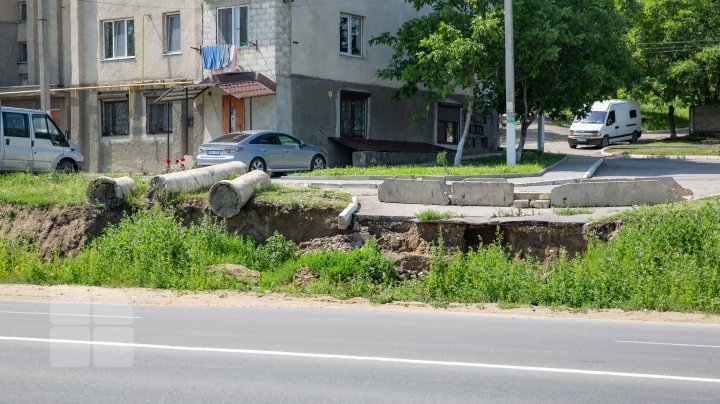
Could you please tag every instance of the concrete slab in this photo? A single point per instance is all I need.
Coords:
(423, 191)
(477, 193)
(613, 193)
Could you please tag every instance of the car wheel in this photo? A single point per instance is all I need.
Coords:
(605, 142)
(258, 164)
(66, 167)
(634, 138)
(573, 146)
(318, 163)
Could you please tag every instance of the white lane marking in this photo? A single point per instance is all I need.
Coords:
(668, 344)
(39, 313)
(366, 359)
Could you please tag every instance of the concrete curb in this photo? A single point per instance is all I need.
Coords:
(658, 157)
(346, 217)
(588, 174)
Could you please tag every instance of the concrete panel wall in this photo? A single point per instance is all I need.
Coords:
(316, 38)
(705, 120)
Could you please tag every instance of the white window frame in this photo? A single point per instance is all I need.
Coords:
(361, 24)
(104, 45)
(166, 19)
(235, 9)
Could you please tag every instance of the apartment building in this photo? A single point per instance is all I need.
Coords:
(129, 81)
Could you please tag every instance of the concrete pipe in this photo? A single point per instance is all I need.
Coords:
(227, 198)
(191, 181)
(108, 190)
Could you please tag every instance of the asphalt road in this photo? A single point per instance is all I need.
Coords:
(84, 353)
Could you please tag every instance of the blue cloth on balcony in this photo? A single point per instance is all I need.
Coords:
(213, 57)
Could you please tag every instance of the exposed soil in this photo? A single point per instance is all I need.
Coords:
(148, 297)
(260, 221)
(61, 229)
(605, 231)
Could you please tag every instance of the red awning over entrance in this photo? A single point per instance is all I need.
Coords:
(239, 85)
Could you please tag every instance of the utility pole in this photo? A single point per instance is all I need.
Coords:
(510, 83)
(42, 62)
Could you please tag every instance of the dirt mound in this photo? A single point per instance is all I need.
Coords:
(342, 242)
(604, 231)
(304, 276)
(241, 272)
(62, 229)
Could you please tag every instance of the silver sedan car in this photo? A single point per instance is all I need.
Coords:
(264, 150)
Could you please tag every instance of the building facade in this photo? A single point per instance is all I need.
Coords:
(111, 61)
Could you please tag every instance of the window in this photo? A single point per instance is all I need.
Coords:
(286, 140)
(157, 116)
(633, 113)
(23, 57)
(353, 114)
(350, 35)
(119, 39)
(611, 118)
(172, 33)
(16, 125)
(448, 124)
(46, 129)
(115, 118)
(23, 12)
(232, 26)
(266, 139)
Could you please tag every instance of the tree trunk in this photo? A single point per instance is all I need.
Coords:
(466, 130)
(525, 123)
(671, 122)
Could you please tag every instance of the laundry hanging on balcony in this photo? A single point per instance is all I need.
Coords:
(220, 58)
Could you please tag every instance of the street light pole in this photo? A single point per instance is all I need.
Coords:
(42, 59)
(510, 83)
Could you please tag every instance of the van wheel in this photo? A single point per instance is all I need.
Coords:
(573, 146)
(66, 167)
(635, 137)
(605, 142)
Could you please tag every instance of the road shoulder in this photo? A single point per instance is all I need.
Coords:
(149, 297)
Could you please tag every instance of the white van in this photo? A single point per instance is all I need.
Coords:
(31, 141)
(607, 122)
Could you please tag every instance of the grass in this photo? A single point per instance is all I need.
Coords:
(682, 147)
(69, 190)
(567, 211)
(533, 162)
(44, 189)
(430, 215)
(656, 117)
(308, 197)
(664, 258)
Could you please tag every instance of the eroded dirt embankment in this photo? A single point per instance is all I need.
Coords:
(67, 229)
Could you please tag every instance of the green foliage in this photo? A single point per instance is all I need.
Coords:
(360, 272)
(308, 197)
(572, 211)
(430, 215)
(676, 48)
(44, 189)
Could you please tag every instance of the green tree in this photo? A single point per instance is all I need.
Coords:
(678, 48)
(452, 48)
(567, 53)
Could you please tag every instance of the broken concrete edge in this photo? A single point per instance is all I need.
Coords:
(591, 171)
(658, 157)
(478, 220)
(448, 177)
(345, 218)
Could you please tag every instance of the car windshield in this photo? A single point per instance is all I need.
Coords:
(232, 138)
(593, 117)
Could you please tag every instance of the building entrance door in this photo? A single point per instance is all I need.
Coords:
(233, 119)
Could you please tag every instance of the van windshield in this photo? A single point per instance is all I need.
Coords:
(593, 117)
